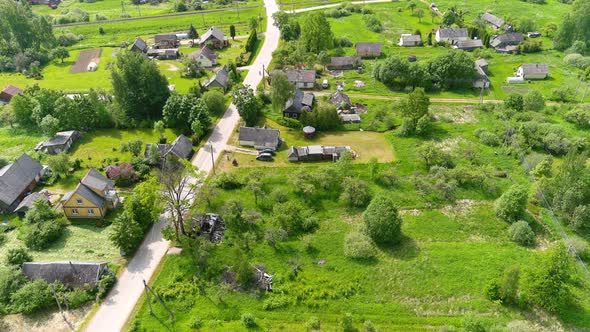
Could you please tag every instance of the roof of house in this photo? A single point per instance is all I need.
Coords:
(11, 90)
(493, 19)
(301, 76)
(260, 136)
(365, 47)
(345, 61)
(140, 44)
(61, 138)
(93, 179)
(213, 32)
(535, 68)
(15, 178)
(338, 97)
(307, 99)
(481, 62)
(411, 38)
(28, 201)
(71, 274)
(221, 77)
(469, 43)
(507, 38)
(299, 100)
(87, 193)
(204, 51)
(162, 148)
(182, 147)
(452, 33)
(165, 36)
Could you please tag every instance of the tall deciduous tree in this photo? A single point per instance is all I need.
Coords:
(192, 33)
(247, 104)
(232, 32)
(575, 26)
(383, 221)
(281, 89)
(511, 205)
(316, 34)
(139, 88)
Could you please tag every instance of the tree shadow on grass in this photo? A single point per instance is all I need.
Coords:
(406, 249)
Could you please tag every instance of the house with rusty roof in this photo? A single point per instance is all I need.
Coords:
(344, 63)
(301, 78)
(368, 50)
(17, 180)
(215, 38)
(8, 92)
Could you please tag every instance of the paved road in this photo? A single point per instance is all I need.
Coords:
(117, 307)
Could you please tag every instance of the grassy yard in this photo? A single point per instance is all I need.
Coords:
(397, 19)
(112, 9)
(431, 281)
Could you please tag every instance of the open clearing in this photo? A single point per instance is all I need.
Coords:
(85, 57)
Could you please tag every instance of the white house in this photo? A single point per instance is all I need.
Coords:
(451, 35)
(533, 71)
(205, 57)
(302, 79)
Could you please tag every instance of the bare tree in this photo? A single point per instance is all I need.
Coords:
(180, 183)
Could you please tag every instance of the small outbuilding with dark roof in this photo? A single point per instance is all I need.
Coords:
(469, 44)
(17, 180)
(301, 78)
(492, 20)
(219, 80)
(71, 274)
(344, 63)
(182, 147)
(368, 50)
(61, 142)
(299, 103)
(8, 92)
(507, 42)
(28, 201)
(408, 40)
(139, 45)
(340, 100)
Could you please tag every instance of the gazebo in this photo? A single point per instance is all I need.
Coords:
(308, 131)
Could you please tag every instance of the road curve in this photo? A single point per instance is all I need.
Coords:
(117, 307)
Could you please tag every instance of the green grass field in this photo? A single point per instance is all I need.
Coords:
(113, 9)
(397, 19)
(431, 281)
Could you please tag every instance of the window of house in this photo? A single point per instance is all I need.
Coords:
(75, 211)
(79, 201)
(90, 212)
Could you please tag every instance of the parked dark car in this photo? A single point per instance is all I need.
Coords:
(264, 157)
(271, 151)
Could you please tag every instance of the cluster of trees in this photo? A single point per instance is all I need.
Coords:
(448, 71)
(324, 117)
(346, 9)
(574, 27)
(42, 225)
(28, 38)
(188, 113)
(546, 284)
(140, 212)
(414, 109)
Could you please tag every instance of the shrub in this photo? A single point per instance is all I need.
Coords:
(215, 102)
(78, 297)
(474, 324)
(11, 279)
(358, 245)
(387, 177)
(521, 233)
(228, 181)
(355, 192)
(514, 101)
(31, 297)
(17, 256)
(383, 221)
(581, 217)
(369, 326)
(579, 246)
(313, 323)
(373, 23)
(487, 137)
(40, 235)
(248, 320)
(511, 204)
(579, 116)
(105, 283)
(196, 323)
(275, 302)
(346, 323)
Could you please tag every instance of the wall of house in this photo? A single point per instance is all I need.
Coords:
(74, 209)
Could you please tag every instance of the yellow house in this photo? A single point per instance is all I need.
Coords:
(92, 198)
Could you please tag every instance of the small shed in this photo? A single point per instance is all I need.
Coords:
(350, 118)
(92, 66)
(412, 58)
(308, 132)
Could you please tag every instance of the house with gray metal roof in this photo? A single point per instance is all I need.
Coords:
(344, 63)
(71, 274)
(139, 45)
(469, 44)
(409, 40)
(17, 180)
(299, 103)
(214, 38)
(260, 138)
(492, 20)
(205, 57)
(301, 78)
(316, 153)
(451, 35)
(507, 42)
(219, 80)
(182, 148)
(61, 142)
(533, 71)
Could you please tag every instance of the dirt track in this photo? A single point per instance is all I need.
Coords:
(84, 58)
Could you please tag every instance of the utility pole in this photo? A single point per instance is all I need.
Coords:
(147, 288)
(212, 157)
(63, 315)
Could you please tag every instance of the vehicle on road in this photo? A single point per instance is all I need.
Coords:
(271, 151)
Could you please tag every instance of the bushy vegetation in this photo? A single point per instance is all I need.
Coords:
(42, 225)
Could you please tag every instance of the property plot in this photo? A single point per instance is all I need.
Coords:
(87, 59)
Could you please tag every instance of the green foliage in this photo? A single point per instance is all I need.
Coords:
(521, 233)
(579, 116)
(228, 180)
(316, 34)
(42, 225)
(180, 111)
(215, 102)
(432, 155)
(533, 101)
(250, 45)
(453, 16)
(78, 297)
(547, 284)
(511, 205)
(514, 101)
(59, 164)
(32, 297)
(325, 117)
(473, 323)
(383, 221)
(247, 105)
(358, 245)
(574, 27)
(346, 323)
(105, 283)
(140, 89)
(11, 280)
(313, 324)
(248, 320)
(355, 192)
(373, 23)
(196, 323)
(18, 256)
(281, 89)
(414, 109)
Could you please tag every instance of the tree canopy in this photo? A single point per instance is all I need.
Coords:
(574, 27)
(383, 221)
(316, 34)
